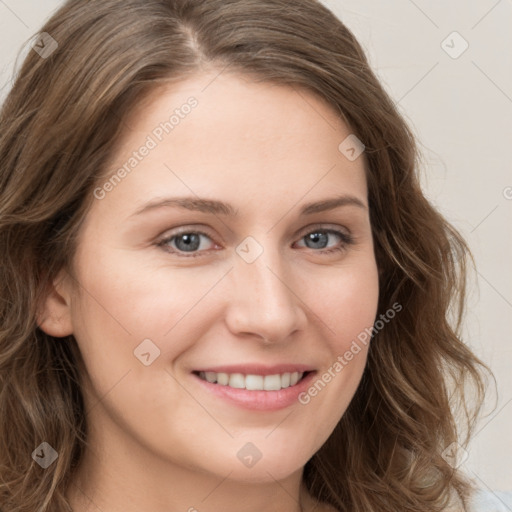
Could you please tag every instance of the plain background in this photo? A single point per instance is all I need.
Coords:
(461, 111)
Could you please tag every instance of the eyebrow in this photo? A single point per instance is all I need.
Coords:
(220, 208)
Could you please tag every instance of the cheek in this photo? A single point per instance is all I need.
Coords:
(346, 306)
(133, 298)
(122, 306)
(346, 301)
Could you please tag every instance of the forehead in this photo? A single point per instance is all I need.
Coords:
(240, 139)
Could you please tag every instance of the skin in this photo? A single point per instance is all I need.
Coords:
(158, 441)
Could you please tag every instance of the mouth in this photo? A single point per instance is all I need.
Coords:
(254, 386)
(253, 381)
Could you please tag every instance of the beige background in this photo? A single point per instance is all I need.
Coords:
(461, 110)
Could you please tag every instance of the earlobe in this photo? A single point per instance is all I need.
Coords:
(54, 316)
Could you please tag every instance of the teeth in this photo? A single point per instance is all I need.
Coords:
(222, 378)
(236, 380)
(253, 382)
(212, 376)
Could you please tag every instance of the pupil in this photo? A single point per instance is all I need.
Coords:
(316, 237)
(190, 242)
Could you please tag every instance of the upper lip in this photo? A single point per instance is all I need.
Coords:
(258, 369)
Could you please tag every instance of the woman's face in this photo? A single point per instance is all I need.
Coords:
(218, 249)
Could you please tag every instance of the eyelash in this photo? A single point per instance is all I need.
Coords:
(345, 238)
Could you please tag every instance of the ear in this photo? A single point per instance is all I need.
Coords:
(54, 316)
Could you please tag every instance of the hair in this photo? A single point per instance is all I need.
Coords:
(422, 387)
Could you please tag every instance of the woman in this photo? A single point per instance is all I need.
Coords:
(225, 289)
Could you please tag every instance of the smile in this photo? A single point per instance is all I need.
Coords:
(254, 386)
(252, 381)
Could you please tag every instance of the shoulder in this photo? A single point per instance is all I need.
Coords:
(491, 501)
(482, 501)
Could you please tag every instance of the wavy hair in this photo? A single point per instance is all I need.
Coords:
(58, 128)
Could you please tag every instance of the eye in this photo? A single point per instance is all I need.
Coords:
(186, 241)
(319, 238)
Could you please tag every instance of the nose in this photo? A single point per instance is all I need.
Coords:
(264, 300)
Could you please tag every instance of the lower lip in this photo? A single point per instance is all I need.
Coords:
(259, 400)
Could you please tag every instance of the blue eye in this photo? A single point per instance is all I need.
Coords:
(190, 242)
(187, 241)
(321, 237)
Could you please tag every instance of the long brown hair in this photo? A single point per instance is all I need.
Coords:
(58, 128)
